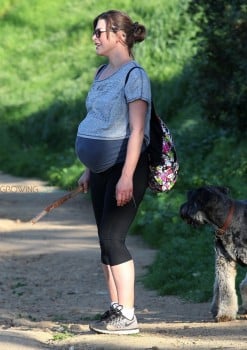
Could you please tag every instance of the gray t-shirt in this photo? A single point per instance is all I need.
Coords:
(107, 117)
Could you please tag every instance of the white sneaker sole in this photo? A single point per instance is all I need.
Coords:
(118, 331)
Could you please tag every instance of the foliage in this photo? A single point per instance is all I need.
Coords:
(221, 61)
(47, 65)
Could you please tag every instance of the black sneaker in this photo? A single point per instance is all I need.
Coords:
(116, 324)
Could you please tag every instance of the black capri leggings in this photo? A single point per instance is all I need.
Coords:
(112, 221)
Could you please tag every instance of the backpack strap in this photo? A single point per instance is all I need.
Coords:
(128, 74)
(126, 80)
(99, 70)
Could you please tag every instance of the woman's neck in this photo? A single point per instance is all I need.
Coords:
(118, 60)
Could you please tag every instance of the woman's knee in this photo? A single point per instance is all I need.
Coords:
(114, 252)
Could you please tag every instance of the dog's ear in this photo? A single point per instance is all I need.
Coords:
(222, 189)
(189, 193)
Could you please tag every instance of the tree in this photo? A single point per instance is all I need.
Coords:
(221, 63)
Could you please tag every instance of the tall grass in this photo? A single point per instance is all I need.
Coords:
(47, 65)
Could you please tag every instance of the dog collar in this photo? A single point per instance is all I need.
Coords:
(223, 229)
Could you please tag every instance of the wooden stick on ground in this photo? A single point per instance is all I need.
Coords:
(56, 204)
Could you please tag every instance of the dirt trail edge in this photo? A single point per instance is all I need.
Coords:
(51, 283)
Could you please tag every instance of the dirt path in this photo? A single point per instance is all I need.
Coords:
(51, 283)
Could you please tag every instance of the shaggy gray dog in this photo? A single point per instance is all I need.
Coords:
(212, 205)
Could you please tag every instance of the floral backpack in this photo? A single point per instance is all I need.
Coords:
(163, 163)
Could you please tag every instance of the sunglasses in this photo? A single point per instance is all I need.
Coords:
(97, 32)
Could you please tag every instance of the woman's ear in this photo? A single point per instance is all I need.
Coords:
(122, 35)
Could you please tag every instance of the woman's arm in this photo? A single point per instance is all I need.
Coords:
(137, 115)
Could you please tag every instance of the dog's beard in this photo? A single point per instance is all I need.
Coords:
(196, 219)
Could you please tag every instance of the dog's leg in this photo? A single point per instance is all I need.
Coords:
(243, 291)
(215, 301)
(225, 303)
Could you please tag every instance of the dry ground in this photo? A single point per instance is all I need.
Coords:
(51, 283)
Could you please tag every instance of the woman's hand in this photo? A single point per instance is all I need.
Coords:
(84, 180)
(124, 190)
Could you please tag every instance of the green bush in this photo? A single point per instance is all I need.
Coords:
(48, 63)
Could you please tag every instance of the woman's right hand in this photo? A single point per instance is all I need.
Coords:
(84, 180)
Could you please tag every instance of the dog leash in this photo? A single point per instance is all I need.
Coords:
(228, 221)
(56, 204)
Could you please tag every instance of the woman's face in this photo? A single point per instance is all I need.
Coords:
(103, 44)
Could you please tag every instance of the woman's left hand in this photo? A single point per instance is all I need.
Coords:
(124, 190)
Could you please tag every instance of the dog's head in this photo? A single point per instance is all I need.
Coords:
(201, 203)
